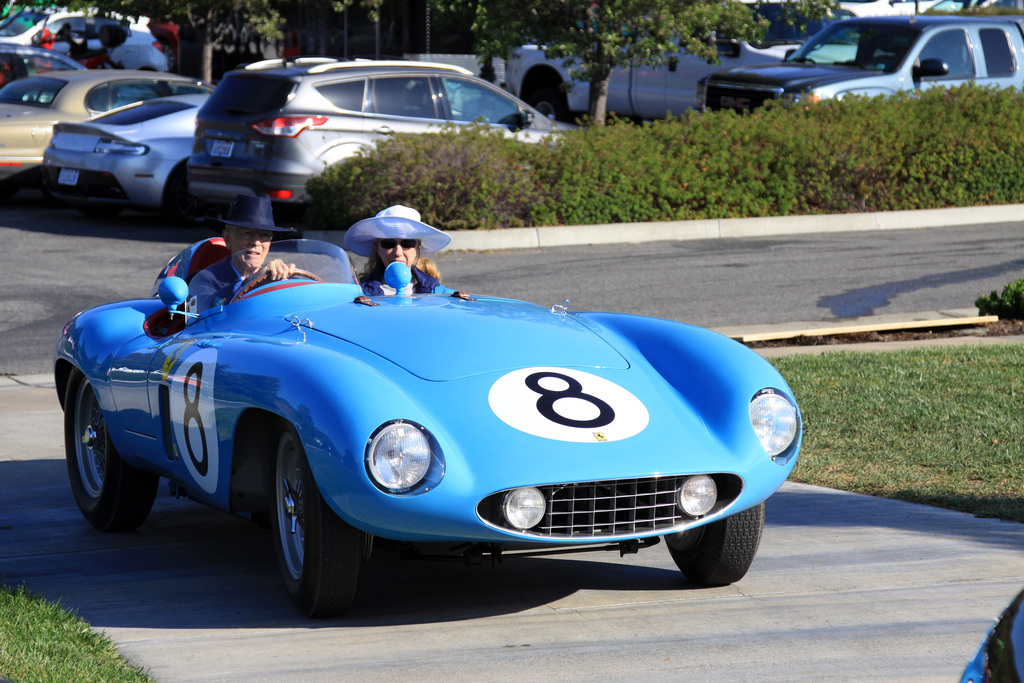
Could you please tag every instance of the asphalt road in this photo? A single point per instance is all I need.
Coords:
(844, 588)
(55, 262)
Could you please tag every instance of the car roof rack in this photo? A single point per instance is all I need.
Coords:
(289, 61)
(363, 63)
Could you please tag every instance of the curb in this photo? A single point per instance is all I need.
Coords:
(720, 228)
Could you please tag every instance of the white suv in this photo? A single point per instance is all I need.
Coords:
(141, 50)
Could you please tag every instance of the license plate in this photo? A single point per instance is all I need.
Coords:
(222, 148)
(67, 176)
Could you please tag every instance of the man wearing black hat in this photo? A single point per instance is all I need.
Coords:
(247, 230)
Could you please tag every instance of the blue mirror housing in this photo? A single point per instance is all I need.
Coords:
(397, 275)
(173, 291)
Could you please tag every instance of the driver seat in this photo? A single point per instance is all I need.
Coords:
(160, 323)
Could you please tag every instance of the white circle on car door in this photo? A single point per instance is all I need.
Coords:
(193, 418)
(567, 405)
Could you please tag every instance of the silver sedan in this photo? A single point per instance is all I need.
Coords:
(132, 157)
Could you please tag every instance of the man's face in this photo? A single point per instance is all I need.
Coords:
(248, 248)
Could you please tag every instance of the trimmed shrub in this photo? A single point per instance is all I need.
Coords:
(917, 150)
(1009, 305)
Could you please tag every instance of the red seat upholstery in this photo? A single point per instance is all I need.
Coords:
(205, 255)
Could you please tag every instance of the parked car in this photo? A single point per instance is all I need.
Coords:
(669, 89)
(880, 56)
(132, 157)
(32, 26)
(303, 401)
(1000, 658)
(268, 128)
(18, 61)
(30, 107)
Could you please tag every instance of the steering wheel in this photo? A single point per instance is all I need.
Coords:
(260, 279)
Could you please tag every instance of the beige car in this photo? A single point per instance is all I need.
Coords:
(30, 107)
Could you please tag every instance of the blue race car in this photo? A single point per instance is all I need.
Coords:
(486, 425)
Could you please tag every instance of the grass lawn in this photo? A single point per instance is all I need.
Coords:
(941, 426)
(938, 426)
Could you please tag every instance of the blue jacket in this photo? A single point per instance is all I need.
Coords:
(214, 286)
(421, 283)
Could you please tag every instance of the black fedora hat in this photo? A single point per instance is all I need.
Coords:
(247, 211)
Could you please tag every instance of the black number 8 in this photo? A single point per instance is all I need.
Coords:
(546, 402)
(192, 415)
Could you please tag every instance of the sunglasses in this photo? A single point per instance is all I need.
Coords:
(406, 244)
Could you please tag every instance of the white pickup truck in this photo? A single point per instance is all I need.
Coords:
(645, 92)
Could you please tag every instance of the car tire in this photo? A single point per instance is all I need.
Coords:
(319, 555)
(179, 207)
(112, 495)
(551, 102)
(8, 190)
(719, 553)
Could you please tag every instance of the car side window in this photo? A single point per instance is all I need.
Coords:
(952, 48)
(7, 72)
(470, 101)
(408, 96)
(995, 45)
(346, 95)
(34, 64)
(128, 92)
(174, 88)
(98, 98)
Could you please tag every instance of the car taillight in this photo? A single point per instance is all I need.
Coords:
(288, 126)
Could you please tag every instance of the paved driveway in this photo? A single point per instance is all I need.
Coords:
(844, 588)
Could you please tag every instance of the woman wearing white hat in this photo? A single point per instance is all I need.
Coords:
(397, 234)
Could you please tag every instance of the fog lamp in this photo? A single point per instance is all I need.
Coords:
(698, 495)
(524, 508)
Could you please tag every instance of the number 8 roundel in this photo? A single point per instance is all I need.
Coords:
(567, 405)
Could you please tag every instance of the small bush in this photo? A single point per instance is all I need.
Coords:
(1009, 305)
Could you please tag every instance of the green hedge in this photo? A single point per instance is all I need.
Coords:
(932, 149)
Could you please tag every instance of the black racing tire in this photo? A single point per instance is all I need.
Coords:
(719, 553)
(319, 554)
(551, 102)
(112, 495)
(179, 207)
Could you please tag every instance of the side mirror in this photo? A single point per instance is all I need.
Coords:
(728, 47)
(525, 119)
(173, 291)
(931, 67)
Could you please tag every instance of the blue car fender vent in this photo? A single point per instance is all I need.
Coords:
(612, 508)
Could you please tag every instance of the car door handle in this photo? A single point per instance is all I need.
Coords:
(384, 130)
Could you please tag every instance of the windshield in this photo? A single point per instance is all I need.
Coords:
(328, 261)
(16, 24)
(868, 47)
(780, 32)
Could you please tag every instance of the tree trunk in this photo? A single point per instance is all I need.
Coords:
(599, 99)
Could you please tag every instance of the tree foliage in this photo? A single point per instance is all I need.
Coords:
(593, 38)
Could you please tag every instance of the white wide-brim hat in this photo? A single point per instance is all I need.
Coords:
(394, 222)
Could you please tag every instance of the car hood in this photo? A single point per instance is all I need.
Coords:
(792, 76)
(441, 338)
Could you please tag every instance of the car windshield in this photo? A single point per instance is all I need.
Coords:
(868, 47)
(18, 23)
(39, 91)
(326, 260)
(781, 32)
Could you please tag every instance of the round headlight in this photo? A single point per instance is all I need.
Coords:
(774, 420)
(399, 456)
(698, 495)
(524, 508)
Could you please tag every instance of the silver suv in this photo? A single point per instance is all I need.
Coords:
(267, 128)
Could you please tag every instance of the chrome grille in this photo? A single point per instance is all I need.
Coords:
(611, 508)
